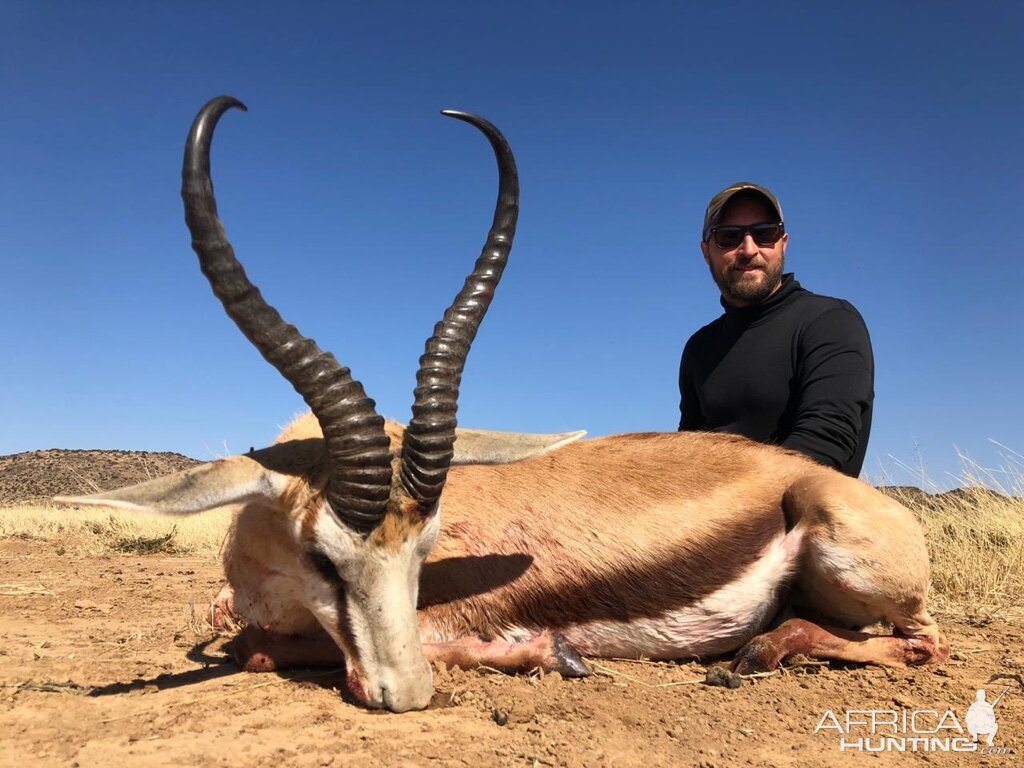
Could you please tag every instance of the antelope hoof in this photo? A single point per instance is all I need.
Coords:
(758, 655)
(568, 662)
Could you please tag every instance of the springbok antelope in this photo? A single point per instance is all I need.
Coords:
(658, 545)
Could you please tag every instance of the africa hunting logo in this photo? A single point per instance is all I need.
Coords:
(917, 730)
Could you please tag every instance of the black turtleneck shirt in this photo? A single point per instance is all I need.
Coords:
(795, 370)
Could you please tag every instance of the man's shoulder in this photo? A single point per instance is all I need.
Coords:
(814, 305)
(829, 318)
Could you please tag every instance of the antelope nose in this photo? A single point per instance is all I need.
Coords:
(410, 694)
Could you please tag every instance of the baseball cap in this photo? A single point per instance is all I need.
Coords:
(719, 201)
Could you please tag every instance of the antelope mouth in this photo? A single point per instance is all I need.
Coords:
(355, 684)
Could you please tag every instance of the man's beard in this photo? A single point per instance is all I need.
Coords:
(751, 287)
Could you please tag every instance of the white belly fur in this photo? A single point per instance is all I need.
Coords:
(721, 622)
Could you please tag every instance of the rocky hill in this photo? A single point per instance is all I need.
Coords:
(38, 476)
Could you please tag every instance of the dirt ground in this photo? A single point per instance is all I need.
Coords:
(108, 661)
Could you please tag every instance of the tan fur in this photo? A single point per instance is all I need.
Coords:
(566, 516)
(399, 527)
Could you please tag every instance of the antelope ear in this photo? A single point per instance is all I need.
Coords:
(259, 475)
(480, 446)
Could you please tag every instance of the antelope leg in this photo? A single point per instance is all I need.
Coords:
(548, 651)
(257, 650)
(765, 652)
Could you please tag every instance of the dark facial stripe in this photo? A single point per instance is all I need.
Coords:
(325, 569)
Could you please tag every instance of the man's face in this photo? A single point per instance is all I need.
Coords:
(748, 273)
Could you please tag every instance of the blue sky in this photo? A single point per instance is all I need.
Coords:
(890, 132)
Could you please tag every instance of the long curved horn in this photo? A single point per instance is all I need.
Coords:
(427, 447)
(360, 457)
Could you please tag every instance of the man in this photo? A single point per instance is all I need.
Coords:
(782, 365)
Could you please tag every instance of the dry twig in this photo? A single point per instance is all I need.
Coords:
(612, 673)
(24, 590)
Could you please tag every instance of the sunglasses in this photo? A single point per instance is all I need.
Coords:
(767, 233)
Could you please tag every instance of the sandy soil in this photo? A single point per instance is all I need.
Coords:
(108, 661)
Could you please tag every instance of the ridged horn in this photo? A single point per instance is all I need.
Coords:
(427, 447)
(360, 457)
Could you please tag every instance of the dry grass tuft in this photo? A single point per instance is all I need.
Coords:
(975, 538)
(84, 532)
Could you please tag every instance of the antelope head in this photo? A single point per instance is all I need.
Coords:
(368, 512)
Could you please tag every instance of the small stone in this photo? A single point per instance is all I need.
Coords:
(440, 700)
(501, 718)
(723, 678)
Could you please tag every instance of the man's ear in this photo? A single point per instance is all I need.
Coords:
(704, 250)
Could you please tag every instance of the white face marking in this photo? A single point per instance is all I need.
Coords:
(378, 611)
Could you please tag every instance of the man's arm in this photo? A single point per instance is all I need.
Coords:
(836, 386)
(690, 415)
